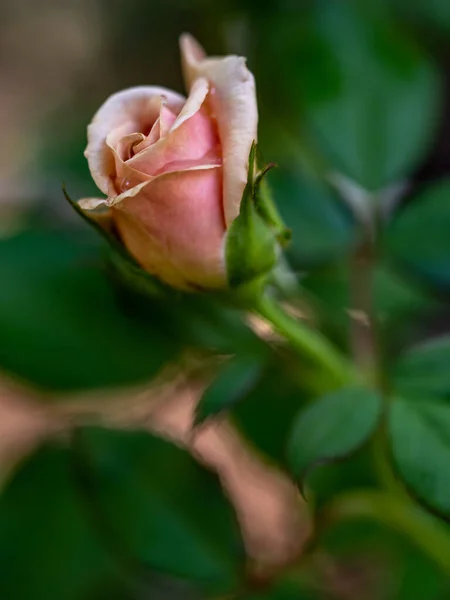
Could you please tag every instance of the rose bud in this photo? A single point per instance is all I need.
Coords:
(174, 169)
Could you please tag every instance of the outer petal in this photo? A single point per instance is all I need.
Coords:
(130, 111)
(233, 102)
(180, 241)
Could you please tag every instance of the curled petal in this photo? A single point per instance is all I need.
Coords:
(131, 111)
(192, 136)
(92, 203)
(233, 102)
(197, 96)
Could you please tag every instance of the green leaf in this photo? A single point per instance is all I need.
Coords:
(47, 551)
(370, 543)
(233, 383)
(424, 370)
(61, 321)
(161, 506)
(419, 434)
(332, 428)
(433, 15)
(322, 227)
(369, 96)
(299, 587)
(400, 306)
(265, 414)
(418, 238)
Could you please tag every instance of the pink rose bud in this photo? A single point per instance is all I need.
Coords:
(174, 169)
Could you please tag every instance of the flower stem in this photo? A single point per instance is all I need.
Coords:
(421, 528)
(307, 342)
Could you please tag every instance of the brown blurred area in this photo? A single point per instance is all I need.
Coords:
(274, 519)
(46, 50)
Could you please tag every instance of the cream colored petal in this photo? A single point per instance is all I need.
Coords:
(130, 192)
(97, 209)
(233, 101)
(92, 203)
(191, 55)
(128, 110)
(197, 96)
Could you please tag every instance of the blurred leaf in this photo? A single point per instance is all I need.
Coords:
(400, 306)
(331, 428)
(424, 371)
(207, 322)
(234, 382)
(420, 444)
(152, 497)
(396, 298)
(329, 480)
(265, 415)
(431, 13)
(47, 551)
(368, 94)
(379, 558)
(287, 588)
(322, 227)
(418, 237)
(61, 324)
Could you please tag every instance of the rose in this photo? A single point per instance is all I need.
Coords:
(174, 169)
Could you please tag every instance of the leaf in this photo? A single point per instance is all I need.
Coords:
(237, 378)
(322, 227)
(162, 507)
(362, 84)
(265, 414)
(424, 370)
(418, 238)
(434, 15)
(287, 587)
(61, 321)
(47, 550)
(400, 306)
(332, 428)
(419, 433)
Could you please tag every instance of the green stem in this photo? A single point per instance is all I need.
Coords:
(307, 342)
(404, 516)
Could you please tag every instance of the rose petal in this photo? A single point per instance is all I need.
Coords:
(159, 130)
(233, 100)
(92, 203)
(192, 136)
(132, 111)
(166, 118)
(152, 137)
(180, 241)
(126, 145)
(196, 98)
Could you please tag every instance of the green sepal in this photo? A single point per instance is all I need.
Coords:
(266, 207)
(252, 247)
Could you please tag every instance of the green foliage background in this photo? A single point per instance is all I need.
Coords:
(358, 89)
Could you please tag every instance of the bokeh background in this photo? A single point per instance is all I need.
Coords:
(356, 88)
